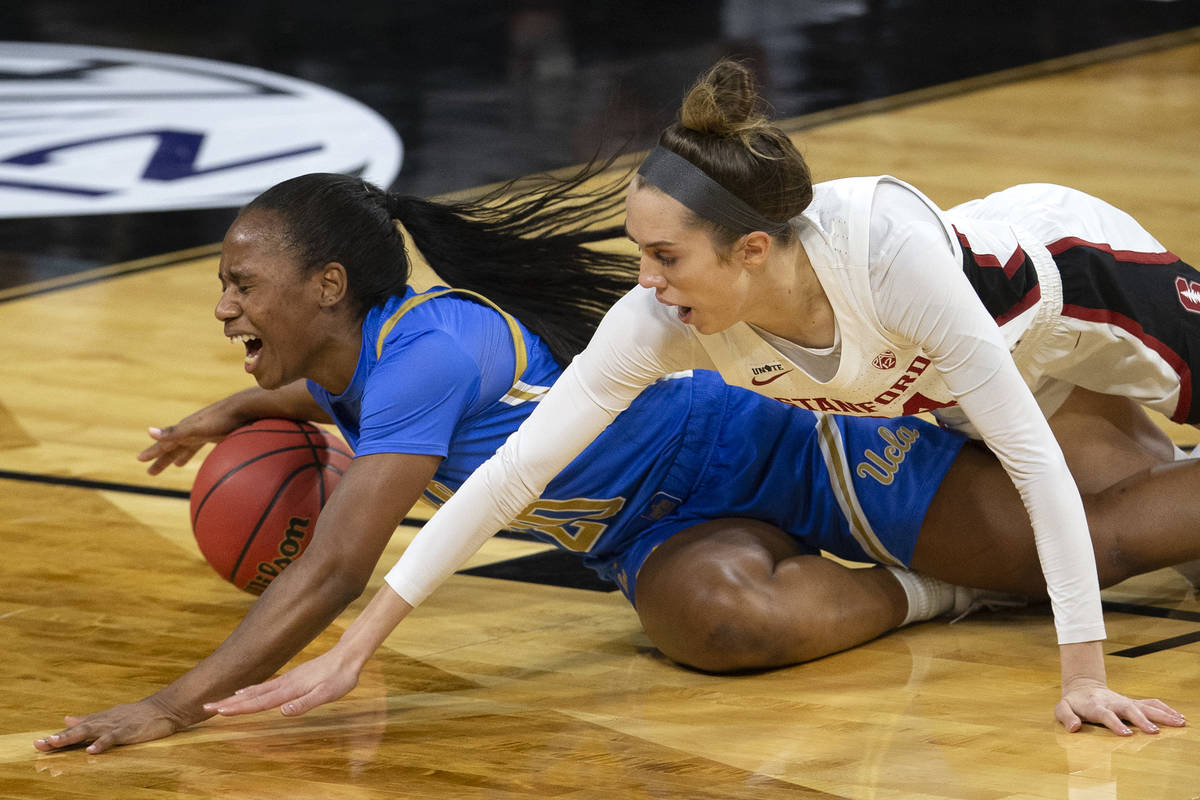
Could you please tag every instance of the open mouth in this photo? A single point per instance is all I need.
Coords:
(683, 312)
(253, 347)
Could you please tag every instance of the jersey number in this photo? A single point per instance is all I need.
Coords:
(574, 524)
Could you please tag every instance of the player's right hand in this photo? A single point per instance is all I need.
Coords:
(124, 724)
(176, 444)
(326, 678)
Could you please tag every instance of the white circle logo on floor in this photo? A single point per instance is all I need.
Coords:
(97, 130)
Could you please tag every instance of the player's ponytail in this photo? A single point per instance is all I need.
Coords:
(524, 245)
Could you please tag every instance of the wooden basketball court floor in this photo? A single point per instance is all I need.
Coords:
(503, 689)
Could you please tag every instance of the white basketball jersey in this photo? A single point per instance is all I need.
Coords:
(877, 375)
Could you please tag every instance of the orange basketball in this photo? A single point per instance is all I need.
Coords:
(257, 495)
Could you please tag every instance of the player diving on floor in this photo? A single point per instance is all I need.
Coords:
(721, 500)
(855, 296)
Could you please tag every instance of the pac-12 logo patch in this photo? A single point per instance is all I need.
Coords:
(91, 130)
(885, 360)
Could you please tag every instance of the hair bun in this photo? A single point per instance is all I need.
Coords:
(724, 102)
(724, 129)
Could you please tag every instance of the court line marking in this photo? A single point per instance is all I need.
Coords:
(1151, 611)
(89, 483)
(112, 271)
(1170, 643)
(178, 494)
(417, 522)
(1149, 648)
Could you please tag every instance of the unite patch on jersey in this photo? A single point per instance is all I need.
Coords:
(98, 130)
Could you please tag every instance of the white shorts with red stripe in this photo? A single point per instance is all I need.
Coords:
(1086, 297)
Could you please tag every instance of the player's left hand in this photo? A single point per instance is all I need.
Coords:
(322, 680)
(127, 723)
(1091, 701)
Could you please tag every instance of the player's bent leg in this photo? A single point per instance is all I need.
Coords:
(1106, 439)
(737, 594)
(976, 531)
(1146, 522)
(1139, 510)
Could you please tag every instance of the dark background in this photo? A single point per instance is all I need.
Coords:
(482, 91)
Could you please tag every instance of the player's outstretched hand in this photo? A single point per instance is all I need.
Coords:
(322, 680)
(1092, 701)
(176, 444)
(124, 724)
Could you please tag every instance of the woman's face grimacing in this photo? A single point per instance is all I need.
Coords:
(267, 303)
(680, 262)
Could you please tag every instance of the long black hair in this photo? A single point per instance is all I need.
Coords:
(522, 245)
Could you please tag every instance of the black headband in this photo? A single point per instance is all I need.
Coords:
(692, 186)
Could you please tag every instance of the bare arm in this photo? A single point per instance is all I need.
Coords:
(354, 527)
(176, 444)
(632, 347)
(330, 675)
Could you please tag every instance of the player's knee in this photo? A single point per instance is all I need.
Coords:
(721, 626)
(708, 597)
(739, 636)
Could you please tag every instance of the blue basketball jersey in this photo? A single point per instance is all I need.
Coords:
(445, 373)
(441, 372)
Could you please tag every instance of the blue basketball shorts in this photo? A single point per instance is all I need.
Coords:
(855, 487)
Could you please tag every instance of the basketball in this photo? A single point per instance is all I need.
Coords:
(257, 495)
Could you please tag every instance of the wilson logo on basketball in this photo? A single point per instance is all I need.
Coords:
(257, 496)
(885, 360)
(290, 546)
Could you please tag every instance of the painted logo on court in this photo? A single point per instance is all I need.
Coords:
(89, 130)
